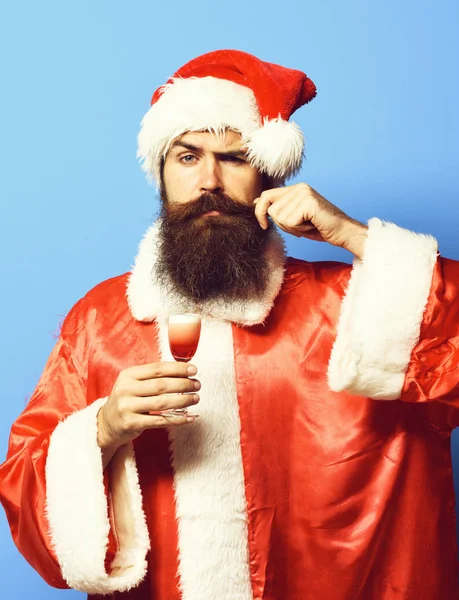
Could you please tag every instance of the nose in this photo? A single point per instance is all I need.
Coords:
(210, 176)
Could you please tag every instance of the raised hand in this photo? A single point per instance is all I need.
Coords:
(303, 212)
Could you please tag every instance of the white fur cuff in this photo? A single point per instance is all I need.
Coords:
(77, 508)
(382, 311)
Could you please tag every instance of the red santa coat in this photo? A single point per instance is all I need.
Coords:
(282, 489)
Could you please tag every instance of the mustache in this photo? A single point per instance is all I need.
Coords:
(208, 201)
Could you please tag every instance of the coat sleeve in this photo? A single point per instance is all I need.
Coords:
(76, 525)
(398, 329)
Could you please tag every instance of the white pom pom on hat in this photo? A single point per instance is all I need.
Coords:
(230, 89)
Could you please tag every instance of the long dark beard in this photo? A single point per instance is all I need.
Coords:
(212, 257)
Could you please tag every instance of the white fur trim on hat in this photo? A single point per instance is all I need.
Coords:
(382, 312)
(211, 104)
(194, 104)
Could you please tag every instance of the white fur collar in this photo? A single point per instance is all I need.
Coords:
(148, 300)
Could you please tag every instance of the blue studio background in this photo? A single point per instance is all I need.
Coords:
(77, 78)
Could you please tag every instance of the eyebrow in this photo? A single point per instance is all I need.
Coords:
(198, 150)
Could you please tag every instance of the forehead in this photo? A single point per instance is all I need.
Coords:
(228, 140)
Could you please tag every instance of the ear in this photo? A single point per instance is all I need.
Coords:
(160, 185)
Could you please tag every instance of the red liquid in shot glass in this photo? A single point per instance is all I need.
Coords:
(184, 333)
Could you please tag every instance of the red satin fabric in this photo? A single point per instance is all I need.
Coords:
(99, 339)
(348, 498)
(434, 368)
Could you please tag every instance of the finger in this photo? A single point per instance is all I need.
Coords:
(314, 235)
(261, 212)
(307, 230)
(262, 204)
(290, 216)
(164, 385)
(290, 231)
(164, 402)
(161, 369)
(287, 205)
(308, 226)
(273, 194)
(155, 422)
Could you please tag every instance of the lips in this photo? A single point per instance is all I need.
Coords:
(212, 213)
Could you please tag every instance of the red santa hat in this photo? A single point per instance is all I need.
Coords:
(230, 89)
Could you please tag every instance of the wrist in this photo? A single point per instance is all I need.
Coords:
(104, 440)
(356, 238)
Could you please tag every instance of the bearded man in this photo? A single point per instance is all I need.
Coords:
(319, 466)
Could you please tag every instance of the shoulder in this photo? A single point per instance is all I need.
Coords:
(105, 301)
(110, 291)
(309, 287)
(321, 273)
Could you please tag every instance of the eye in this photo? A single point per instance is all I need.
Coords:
(188, 159)
(234, 159)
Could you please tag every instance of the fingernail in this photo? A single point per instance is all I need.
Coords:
(195, 398)
(197, 385)
(192, 370)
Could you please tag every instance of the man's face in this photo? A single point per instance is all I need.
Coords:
(211, 244)
(202, 162)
